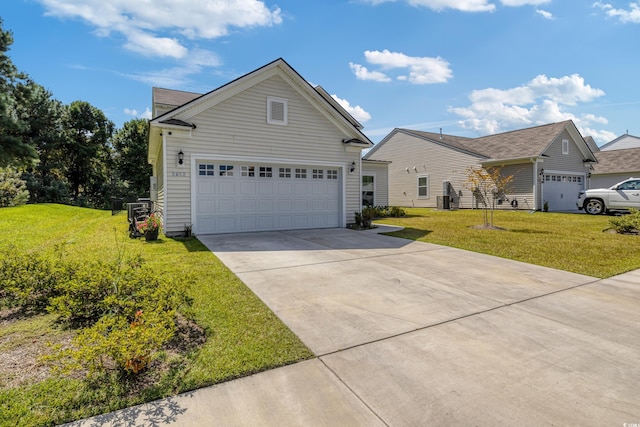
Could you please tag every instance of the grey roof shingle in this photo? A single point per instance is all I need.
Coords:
(530, 142)
(172, 97)
(618, 161)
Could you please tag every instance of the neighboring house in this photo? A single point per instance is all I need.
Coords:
(622, 142)
(266, 151)
(614, 166)
(549, 163)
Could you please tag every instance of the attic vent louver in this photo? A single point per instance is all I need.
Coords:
(277, 111)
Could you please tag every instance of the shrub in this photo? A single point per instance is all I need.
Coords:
(625, 224)
(397, 212)
(29, 281)
(116, 289)
(117, 342)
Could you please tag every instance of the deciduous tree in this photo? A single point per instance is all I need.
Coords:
(487, 185)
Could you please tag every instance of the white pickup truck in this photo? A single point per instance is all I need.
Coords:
(622, 196)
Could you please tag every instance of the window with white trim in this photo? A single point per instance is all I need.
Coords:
(248, 171)
(277, 110)
(225, 170)
(301, 173)
(317, 174)
(206, 169)
(266, 172)
(565, 146)
(423, 187)
(332, 174)
(285, 173)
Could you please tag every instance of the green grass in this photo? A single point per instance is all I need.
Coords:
(243, 335)
(571, 242)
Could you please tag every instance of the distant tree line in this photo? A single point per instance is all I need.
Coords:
(56, 153)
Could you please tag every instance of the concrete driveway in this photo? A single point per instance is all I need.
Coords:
(413, 334)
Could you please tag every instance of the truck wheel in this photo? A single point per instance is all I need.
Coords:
(594, 206)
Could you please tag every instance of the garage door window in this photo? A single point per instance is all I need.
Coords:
(248, 171)
(266, 172)
(206, 169)
(225, 170)
(301, 173)
(318, 173)
(332, 174)
(285, 173)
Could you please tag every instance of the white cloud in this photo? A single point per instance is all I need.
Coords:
(421, 70)
(631, 15)
(545, 14)
(598, 135)
(143, 23)
(362, 73)
(176, 77)
(463, 5)
(541, 100)
(134, 113)
(524, 2)
(357, 112)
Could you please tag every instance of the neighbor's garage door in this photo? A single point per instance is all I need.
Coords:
(560, 191)
(233, 197)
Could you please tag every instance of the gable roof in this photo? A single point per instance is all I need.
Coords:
(196, 103)
(172, 98)
(618, 161)
(512, 145)
(591, 143)
(622, 142)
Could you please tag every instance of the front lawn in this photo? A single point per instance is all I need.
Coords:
(242, 335)
(571, 242)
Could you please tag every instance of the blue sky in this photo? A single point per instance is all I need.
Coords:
(470, 67)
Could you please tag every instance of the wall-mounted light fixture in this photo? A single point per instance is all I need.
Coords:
(542, 175)
(353, 167)
(180, 157)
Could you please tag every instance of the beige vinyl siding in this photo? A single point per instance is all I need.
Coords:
(572, 162)
(608, 180)
(380, 171)
(436, 162)
(521, 187)
(238, 127)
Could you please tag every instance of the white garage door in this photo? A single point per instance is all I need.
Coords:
(560, 191)
(233, 197)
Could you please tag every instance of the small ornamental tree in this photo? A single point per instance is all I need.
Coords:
(487, 186)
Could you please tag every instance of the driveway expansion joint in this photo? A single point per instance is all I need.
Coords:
(444, 322)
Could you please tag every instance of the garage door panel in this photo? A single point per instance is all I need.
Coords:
(301, 205)
(227, 188)
(285, 189)
(205, 206)
(248, 188)
(285, 205)
(560, 191)
(237, 203)
(248, 206)
(265, 188)
(266, 205)
(226, 206)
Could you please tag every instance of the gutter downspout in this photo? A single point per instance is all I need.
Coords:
(164, 180)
